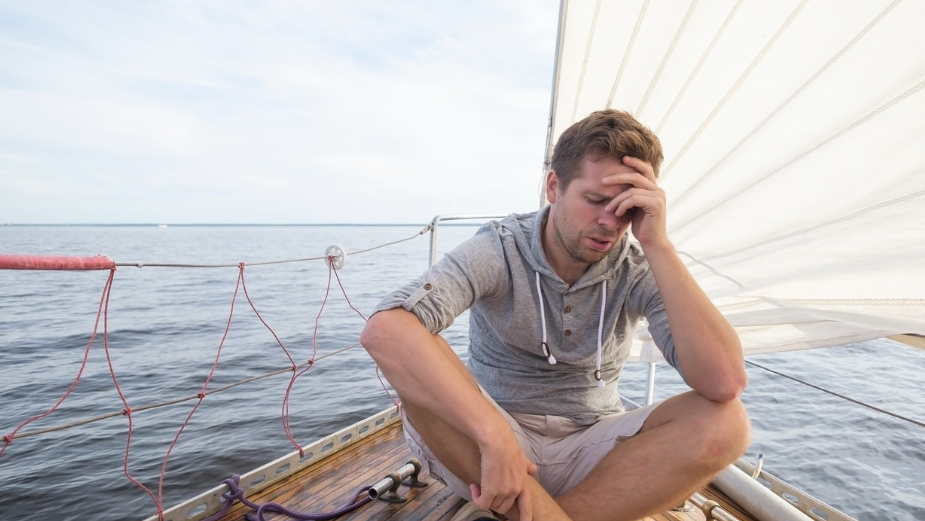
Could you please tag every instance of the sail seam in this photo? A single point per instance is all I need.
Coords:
(793, 96)
(667, 56)
(626, 55)
(584, 63)
(815, 227)
(886, 106)
(735, 87)
(865, 302)
(703, 58)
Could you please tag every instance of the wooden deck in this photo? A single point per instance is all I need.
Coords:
(332, 482)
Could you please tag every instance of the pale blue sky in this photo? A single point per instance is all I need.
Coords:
(272, 112)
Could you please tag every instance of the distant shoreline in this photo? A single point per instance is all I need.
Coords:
(233, 225)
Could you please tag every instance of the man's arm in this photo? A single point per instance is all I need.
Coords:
(708, 348)
(421, 373)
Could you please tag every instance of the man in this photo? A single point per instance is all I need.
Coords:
(533, 427)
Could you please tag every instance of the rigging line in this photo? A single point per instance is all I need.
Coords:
(665, 57)
(175, 401)
(627, 53)
(793, 96)
(711, 268)
(201, 396)
(295, 375)
(584, 63)
(735, 87)
(893, 302)
(127, 410)
(815, 227)
(802, 345)
(262, 321)
(703, 58)
(833, 393)
(876, 112)
(262, 263)
(8, 438)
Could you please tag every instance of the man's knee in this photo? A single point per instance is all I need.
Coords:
(714, 434)
(724, 432)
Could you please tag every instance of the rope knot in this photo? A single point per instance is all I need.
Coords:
(126, 411)
(7, 438)
(241, 266)
(201, 395)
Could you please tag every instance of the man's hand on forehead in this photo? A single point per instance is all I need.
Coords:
(643, 201)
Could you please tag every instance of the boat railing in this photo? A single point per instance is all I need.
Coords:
(435, 223)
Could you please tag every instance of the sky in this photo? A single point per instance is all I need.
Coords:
(263, 112)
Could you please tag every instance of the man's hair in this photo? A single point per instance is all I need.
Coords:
(604, 133)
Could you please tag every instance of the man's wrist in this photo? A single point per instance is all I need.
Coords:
(657, 247)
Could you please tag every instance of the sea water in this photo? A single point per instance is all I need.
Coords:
(165, 326)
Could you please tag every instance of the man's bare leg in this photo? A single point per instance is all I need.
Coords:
(683, 443)
(461, 455)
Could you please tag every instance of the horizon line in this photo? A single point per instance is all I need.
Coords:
(167, 225)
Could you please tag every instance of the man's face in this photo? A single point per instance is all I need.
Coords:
(581, 229)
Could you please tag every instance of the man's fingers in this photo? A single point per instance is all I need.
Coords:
(505, 505)
(525, 505)
(483, 502)
(640, 166)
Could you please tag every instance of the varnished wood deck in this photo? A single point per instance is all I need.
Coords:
(330, 483)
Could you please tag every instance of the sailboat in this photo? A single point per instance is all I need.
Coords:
(793, 134)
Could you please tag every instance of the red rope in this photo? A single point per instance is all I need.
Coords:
(287, 428)
(378, 375)
(128, 410)
(202, 392)
(8, 439)
(103, 311)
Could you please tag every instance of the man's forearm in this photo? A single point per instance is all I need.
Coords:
(419, 370)
(708, 348)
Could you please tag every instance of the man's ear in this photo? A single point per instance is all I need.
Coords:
(552, 185)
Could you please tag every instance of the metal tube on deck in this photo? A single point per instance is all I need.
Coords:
(754, 497)
(650, 384)
(712, 509)
(391, 481)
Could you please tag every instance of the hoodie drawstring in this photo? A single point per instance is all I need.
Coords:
(600, 334)
(547, 352)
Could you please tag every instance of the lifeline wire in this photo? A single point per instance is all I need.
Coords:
(833, 393)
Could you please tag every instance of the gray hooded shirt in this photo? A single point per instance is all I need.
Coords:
(501, 275)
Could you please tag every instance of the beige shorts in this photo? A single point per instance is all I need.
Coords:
(564, 451)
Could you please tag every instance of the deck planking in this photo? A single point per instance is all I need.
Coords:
(331, 483)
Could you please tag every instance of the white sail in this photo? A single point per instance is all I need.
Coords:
(794, 137)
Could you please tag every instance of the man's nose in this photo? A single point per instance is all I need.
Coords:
(608, 220)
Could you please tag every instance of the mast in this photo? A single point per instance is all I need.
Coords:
(560, 38)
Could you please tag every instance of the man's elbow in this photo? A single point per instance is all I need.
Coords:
(728, 388)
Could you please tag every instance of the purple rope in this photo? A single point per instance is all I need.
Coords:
(236, 493)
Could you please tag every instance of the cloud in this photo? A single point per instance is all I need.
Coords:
(272, 112)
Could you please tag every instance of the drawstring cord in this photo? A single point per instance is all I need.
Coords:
(546, 351)
(600, 335)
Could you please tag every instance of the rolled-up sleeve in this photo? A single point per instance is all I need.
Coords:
(471, 270)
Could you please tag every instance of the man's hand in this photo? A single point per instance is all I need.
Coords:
(643, 198)
(505, 470)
